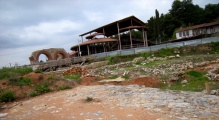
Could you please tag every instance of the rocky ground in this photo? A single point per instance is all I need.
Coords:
(111, 102)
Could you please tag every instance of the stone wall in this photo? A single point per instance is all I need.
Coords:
(51, 54)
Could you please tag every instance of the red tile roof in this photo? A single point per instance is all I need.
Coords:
(199, 26)
(98, 40)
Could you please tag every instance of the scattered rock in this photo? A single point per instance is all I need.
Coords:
(184, 82)
(170, 57)
(214, 92)
(138, 59)
(177, 56)
(2, 115)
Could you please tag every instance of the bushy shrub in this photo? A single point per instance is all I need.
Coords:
(33, 94)
(42, 88)
(89, 99)
(7, 96)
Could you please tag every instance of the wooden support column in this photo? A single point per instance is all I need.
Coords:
(88, 50)
(130, 34)
(104, 33)
(104, 49)
(146, 38)
(120, 47)
(78, 51)
(79, 48)
(143, 36)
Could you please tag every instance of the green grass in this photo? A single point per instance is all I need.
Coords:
(52, 76)
(126, 77)
(89, 99)
(7, 96)
(33, 94)
(6, 73)
(196, 74)
(42, 88)
(20, 81)
(73, 77)
(196, 82)
(164, 52)
(64, 87)
(156, 63)
(38, 71)
(113, 77)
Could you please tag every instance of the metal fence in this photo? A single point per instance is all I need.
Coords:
(157, 47)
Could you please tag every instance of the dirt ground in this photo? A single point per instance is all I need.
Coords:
(19, 108)
(58, 105)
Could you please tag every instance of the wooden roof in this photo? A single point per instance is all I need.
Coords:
(111, 28)
(98, 40)
(199, 26)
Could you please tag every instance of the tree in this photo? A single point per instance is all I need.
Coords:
(157, 26)
(150, 25)
(186, 12)
(211, 12)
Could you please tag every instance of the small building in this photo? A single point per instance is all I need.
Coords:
(111, 37)
(198, 30)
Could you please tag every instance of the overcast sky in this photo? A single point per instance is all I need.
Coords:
(29, 25)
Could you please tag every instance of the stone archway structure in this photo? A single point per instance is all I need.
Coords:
(51, 54)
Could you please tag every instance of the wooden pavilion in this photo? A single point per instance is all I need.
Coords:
(111, 37)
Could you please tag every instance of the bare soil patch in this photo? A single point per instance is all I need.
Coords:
(147, 81)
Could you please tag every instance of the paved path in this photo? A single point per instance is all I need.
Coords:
(112, 102)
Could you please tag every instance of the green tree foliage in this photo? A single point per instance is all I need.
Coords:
(211, 12)
(183, 13)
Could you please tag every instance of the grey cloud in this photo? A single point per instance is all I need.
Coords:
(16, 16)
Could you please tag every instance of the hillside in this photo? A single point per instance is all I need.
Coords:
(134, 83)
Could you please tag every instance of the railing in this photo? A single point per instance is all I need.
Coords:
(156, 47)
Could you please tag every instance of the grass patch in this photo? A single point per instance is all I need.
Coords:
(113, 77)
(194, 73)
(196, 82)
(89, 99)
(126, 77)
(38, 71)
(145, 54)
(6, 73)
(7, 96)
(64, 87)
(33, 94)
(53, 76)
(19, 81)
(73, 77)
(42, 88)
(164, 52)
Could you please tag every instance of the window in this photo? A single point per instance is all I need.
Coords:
(184, 33)
(187, 33)
(180, 34)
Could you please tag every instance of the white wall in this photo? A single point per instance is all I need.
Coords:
(184, 35)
